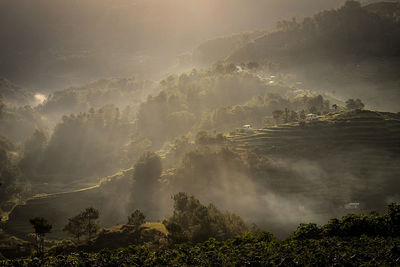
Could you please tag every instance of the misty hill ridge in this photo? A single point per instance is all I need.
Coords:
(347, 27)
(352, 50)
(349, 33)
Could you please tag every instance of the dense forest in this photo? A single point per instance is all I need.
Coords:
(273, 140)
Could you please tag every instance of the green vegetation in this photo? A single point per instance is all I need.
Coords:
(42, 227)
(252, 250)
(120, 92)
(194, 222)
(83, 224)
(218, 49)
(367, 35)
(293, 164)
(12, 247)
(136, 219)
(75, 227)
(343, 129)
(146, 175)
(352, 240)
(354, 225)
(220, 98)
(19, 122)
(390, 10)
(354, 104)
(86, 144)
(180, 105)
(351, 51)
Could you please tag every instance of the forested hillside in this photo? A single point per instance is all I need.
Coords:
(352, 50)
(352, 33)
(197, 133)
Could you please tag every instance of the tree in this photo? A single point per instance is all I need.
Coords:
(89, 216)
(277, 114)
(75, 227)
(202, 138)
(36, 142)
(9, 175)
(195, 222)
(313, 110)
(252, 65)
(293, 116)
(307, 231)
(33, 152)
(286, 115)
(354, 104)
(146, 173)
(83, 224)
(179, 122)
(230, 68)
(42, 227)
(147, 169)
(393, 213)
(359, 104)
(317, 104)
(302, 115)
(351, 5)
(136, 219)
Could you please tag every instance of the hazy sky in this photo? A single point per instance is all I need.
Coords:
(56, 35)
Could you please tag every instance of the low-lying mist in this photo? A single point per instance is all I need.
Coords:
(279, 193)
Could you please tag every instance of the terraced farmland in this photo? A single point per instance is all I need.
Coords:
(371, 130)
(58, 207)
(344, 157)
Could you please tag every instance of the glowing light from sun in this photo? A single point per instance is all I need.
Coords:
(40, 97)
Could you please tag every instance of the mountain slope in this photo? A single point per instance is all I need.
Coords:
(350, 33)
(349, 156)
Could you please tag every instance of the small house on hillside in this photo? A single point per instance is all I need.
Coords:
(311, 117)
(245, 129)
(352, 206)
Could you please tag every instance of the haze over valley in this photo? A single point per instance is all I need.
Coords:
(154, 125)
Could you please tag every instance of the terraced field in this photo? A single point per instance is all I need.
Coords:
(352, 156)
(58, 207)
(325, 136)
